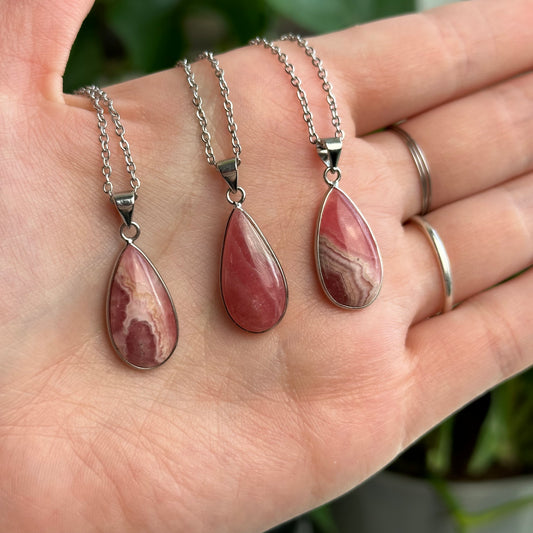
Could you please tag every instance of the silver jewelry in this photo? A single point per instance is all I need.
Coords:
(421, 163)
(141, 318)
(347, 256)
(253, 285)
(442, 258)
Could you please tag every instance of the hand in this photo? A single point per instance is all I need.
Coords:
(237, 431)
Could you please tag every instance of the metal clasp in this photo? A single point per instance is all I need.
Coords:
(329, 151)
(124, 202)
(228, 170)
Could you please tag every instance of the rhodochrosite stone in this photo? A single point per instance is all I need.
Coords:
(253, 285)
(141, 318)
(348, 259)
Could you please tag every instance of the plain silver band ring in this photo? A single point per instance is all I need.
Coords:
(421, 165)
(442, 258)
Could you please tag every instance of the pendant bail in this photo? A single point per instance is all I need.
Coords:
(329, 151)
(228, 170)
(124, 202)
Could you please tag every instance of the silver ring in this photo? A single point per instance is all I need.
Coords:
(421, 165)
(442, 258)
(235, 203)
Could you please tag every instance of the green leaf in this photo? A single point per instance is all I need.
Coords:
(150, 31)
(86, 63)
(322, 16)
(467, 521)
(323, 520)
(245, 19)
(439, 448)
(389, 8)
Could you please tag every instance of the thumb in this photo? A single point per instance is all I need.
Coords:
(35, 41)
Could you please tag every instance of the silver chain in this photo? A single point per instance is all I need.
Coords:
(97, 95)
(297, 83)
(228, 107)
(197, 101)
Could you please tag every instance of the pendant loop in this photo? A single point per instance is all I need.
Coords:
(334, 170)
(124, 202)
(133, 238)
(228, 170)
(329, 151)
(236, 203)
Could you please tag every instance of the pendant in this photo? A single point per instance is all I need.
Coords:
(253, 285)
(141, 318)
(347, 255)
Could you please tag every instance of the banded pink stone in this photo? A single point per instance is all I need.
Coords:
(348, 258)
(252, 281)
(141, 318)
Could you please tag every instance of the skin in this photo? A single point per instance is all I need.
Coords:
(238, 432)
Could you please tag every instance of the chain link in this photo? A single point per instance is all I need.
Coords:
(197, 101)
(97, 95)
(228, 107)
(297, 83)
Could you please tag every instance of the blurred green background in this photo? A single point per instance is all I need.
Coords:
(125, 38)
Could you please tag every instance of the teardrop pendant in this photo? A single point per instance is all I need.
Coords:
(141, 318)
(347, 255)
(253, 285)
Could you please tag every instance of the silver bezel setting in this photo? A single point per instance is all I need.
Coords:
(317, 257)
(107, 309)
(265, 241)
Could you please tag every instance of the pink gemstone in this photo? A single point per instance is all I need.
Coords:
(253, 285)
(141, 318)
(348, 259)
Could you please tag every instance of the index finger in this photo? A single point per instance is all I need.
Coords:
(396, 68)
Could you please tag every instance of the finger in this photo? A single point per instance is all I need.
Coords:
(35, 43)
(470, 144)
(396, 68)
(463, 353)
(488, 238)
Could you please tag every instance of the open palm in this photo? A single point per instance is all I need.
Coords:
(238, 431)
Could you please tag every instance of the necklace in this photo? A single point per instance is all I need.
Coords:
(252, 282)
(347, 256)
(141, 318)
